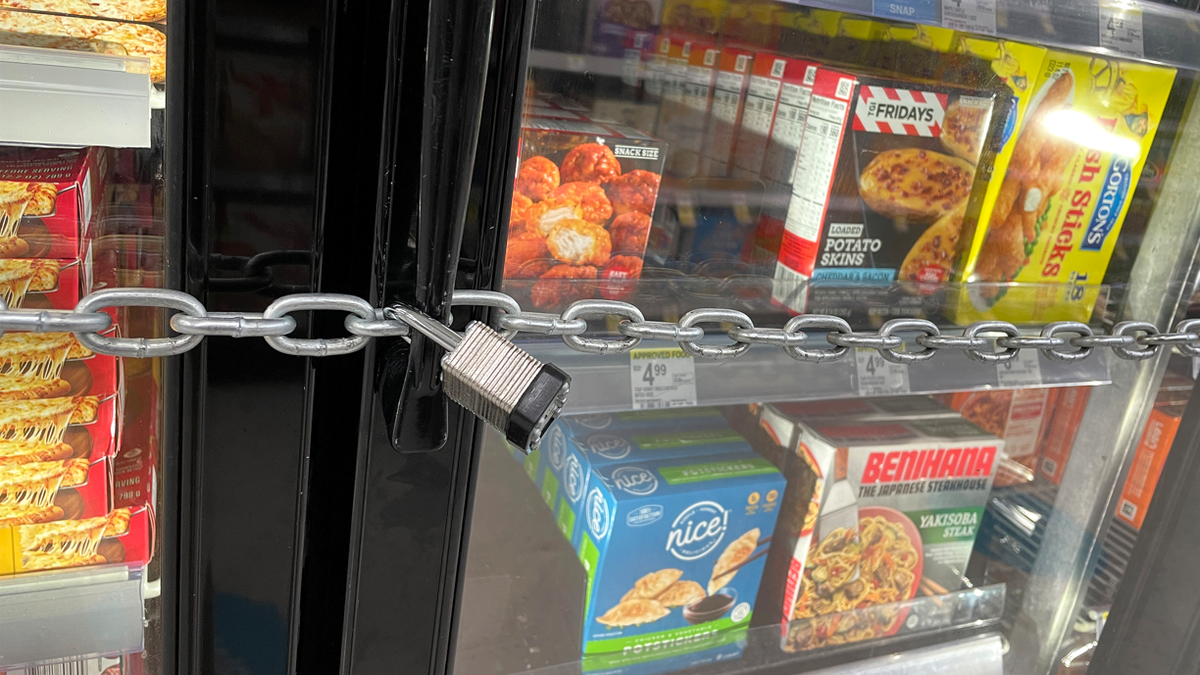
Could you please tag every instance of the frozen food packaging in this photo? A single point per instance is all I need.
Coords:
(121, 535)
(49, 199)
(728, 102)
(125, 10)
(1147, 464)
(1059, 438)
(48, 31)
(896, 515)
(1019, 416)
(674, 548)
(1075, 162)
(582, 204)
(885, 175)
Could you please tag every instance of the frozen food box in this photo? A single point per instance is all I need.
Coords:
(582, 204)
(49, 199)
(1019, 416)
(40, 283)
(50, 365)
(684, 130)
(1076, 160)
(896, 513)
(577, 446)
(145, 11)
(32, 29)
(783, 421)
(758, 115)
(885, 174)
(64, 489)
(615, 21)
(1059, 438)
(728, 102)
(1147, 464)
(669, 657)
(55, 429)
(121, 535)
(673, 548)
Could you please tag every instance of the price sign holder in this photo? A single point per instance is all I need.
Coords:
(1023, 371)
(975, 16)
(662, 378)
(1121, 28)
(921, 11)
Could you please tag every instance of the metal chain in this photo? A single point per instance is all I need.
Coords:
(800, 338)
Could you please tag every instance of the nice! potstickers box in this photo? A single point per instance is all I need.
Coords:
(895, 514)
(674, 549)
(1059, 204)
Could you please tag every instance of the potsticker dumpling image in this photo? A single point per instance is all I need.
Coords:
(633, 613)
(681, 594)
(735, 554)
(653, 584)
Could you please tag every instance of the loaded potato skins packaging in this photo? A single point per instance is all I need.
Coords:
(582, 204)
(884, 177)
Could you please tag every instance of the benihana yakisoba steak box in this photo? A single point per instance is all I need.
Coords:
(885, 175)
(49, 199)
(582, 204)
(674, 548)
(895, 515)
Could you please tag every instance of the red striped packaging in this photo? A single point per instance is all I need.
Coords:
(884, 180)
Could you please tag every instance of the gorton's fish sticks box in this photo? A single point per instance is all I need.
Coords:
(1063, 196)
(674, 549)
(578, 444)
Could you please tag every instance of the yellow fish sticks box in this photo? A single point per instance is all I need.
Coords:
(1057, 207)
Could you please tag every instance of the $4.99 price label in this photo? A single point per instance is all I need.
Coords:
(877, 376)
(662, 378)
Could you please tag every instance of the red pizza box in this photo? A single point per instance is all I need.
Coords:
(64, 188)
(91, 498)
(138, 539)
(132, 544)
(728, 101)
(40, 283)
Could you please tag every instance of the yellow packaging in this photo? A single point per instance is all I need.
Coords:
(1049, 226)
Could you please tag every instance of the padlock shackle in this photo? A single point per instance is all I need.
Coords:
(429, 327)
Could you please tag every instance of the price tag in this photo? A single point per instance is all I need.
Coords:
(921, 11)
(1121, 28)
(975, 16)
(1022, 371)
(877, 376)
(662, 378)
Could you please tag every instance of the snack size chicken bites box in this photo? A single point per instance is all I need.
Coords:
(896, 511)
(885, 174)
(577, 445)
(582, 204)
(672, 548)
(48, 200)
(1063, 196)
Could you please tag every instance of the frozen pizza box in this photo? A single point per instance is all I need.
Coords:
(49, 198)
(674, 548)
(50, 365)
(577, 446)
(885, 175)
(40, 283)
(582, 203)
(1075, 162)
(119, 536)
(908, 492)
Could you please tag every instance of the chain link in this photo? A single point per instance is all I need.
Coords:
(812, 338)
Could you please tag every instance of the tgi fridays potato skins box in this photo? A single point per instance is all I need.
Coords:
(896, 510)
(582, 204)
(674, 548)
(885, 173)
(48, 200)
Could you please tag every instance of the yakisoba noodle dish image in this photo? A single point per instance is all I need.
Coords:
(849, 574)
(581, 211)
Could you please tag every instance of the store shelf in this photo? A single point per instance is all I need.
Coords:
(53, 97)
(52, 616)
(1167, 34)
(601, 383)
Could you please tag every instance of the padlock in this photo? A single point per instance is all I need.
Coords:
(493, 378)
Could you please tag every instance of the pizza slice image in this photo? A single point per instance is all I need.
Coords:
(23, 452)
(68, 543)
(39, 355)
(27, 491)
(45, 420)
(19, 276)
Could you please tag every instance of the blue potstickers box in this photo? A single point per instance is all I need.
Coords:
(674, 549)
(576, 445)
